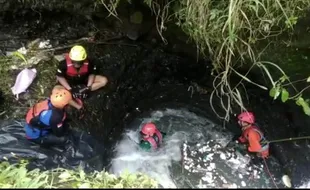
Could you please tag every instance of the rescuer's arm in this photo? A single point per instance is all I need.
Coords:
(60, 75)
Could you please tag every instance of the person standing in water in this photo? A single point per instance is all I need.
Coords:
(151, 137)
(257, 143)
(252, 135)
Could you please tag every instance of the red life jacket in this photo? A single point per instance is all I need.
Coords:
(72, 71)
(263, 142)
(33, 115)
(155, 143)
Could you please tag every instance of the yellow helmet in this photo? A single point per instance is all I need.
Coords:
(77, 53)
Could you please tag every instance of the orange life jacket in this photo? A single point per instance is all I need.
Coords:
(72, 71)
(33, 115)
(155, 142)
(263, 142)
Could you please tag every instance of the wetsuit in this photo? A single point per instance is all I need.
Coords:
(44, 124)
(153, 142)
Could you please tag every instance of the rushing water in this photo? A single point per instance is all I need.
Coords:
(194, 154)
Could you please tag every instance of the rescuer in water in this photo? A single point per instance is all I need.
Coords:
(252, 135)
(151, 137)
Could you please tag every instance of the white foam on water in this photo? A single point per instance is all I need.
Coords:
(176, 123)
(305, 185)
(155, 164)
(199, 141)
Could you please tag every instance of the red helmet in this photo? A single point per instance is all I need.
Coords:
(247, 117)
(149, 129)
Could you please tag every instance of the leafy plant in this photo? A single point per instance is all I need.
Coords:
(228, 32)
(279, 89)
(21, 56)
(17, 176)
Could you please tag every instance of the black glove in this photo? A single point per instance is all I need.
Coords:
(85, 92)
(75, 93)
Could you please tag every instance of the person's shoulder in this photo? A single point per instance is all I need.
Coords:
(62, 64)
(254, 133)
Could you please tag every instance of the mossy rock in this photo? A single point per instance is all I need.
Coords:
(136, 17)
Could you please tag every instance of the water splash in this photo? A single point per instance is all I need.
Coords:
(305, 185)
(156, 164)
(190, 155)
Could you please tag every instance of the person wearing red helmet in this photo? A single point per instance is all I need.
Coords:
(252, 135)
(152, 138)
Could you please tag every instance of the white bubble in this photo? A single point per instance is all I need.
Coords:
(243, 183)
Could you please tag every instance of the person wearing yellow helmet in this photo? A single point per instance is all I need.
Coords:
(78, 70)
(45, 120)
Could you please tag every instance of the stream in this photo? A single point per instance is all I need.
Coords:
(195, 158)
(147, 82)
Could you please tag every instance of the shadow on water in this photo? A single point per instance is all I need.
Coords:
(144, 80)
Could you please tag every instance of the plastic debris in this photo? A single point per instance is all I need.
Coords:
(23, 81)
(287, 181)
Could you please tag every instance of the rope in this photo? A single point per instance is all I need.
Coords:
(267, 168)
(288, 139)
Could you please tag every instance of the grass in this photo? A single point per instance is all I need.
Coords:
(229, 30)
(17, 176)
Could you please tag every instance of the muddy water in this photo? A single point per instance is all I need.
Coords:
(143, 77)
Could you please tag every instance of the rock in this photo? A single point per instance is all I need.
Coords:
(136, 17)
(132, 34)
(243, 183)
(33, 43)
(38, 58)
(22, 50)
(60, 57)
(45, 44)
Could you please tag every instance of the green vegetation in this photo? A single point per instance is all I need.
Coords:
(17, 176)
(231, 32)
(38, 90)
